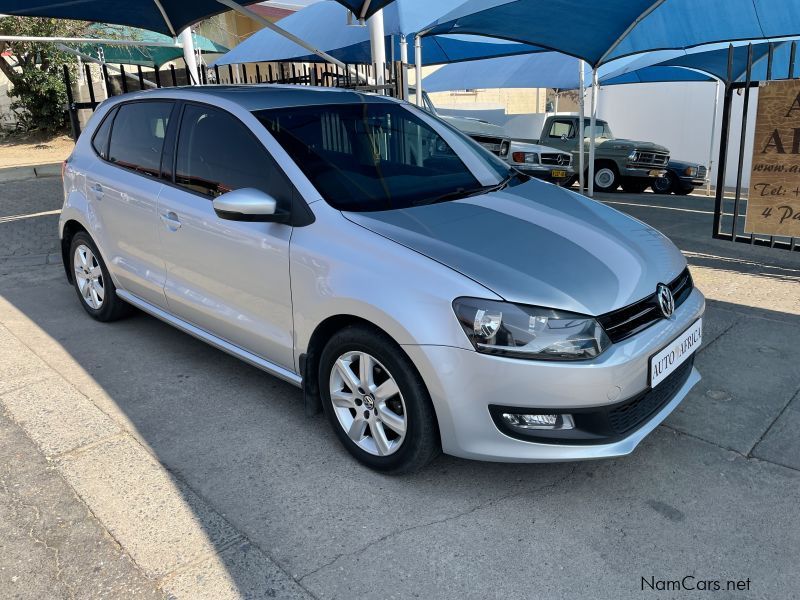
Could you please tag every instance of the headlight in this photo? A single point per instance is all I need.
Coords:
(506, 329)
(691, 171)
(525, 157)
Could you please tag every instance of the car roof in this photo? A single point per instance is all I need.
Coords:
(262, 96)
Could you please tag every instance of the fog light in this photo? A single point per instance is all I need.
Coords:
(551, 422)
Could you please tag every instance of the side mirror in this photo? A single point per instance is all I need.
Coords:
(564, 137)
(249, 204)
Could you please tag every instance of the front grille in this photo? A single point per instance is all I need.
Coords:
(625, 322)
(498, 146)
(702, 172)
(650, 159)
(630, 415)
(558, 159)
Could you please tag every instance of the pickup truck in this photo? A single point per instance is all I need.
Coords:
(634, 165)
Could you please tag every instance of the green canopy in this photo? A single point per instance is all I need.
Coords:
(144, 55)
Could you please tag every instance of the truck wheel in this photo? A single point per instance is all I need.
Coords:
(663, 185)
(606, 178)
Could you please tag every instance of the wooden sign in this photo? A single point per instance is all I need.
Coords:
(774, 204)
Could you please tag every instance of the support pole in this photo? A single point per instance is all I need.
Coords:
(189, 56)
(713, 135)
(581, 128)
(595, 90)
(724, 137)
(377, 44)
(404, 62)
(418, 69)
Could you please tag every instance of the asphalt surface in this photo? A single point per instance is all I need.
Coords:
(195, 476)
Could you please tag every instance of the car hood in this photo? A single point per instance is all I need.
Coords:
(538, 244)
(473, 126)
(622, 144)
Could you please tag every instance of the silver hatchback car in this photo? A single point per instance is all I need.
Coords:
(423, 294)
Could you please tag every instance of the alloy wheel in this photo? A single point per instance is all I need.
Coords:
(88, 276)
(368, 404)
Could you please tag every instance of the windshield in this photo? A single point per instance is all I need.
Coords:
(381, 155)
(601, 130)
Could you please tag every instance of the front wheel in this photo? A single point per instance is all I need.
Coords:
(664, 185)
(606, 178)
(376, 402)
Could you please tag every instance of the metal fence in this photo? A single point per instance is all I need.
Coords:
(728, 216)
(121, 79)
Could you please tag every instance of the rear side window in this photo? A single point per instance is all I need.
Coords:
(137, 137)
(102, 135)
(218, 154)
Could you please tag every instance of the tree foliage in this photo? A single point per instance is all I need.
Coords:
(35, 70)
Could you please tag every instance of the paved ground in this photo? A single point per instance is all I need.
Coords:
(136, 460)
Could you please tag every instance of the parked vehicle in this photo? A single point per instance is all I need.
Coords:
(541, 162)
(534, 160)
(632, 164)
(418, 289)
(681, 178)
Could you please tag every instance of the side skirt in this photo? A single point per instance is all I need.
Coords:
(212, 340)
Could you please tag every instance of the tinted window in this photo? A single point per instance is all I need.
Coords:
(100, 139)
(137, 136)
(562, 128)
(371, 156)
(218, 154)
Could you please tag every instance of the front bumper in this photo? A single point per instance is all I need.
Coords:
(544, 171)
(644, 172)
(463, 384)
(691, 182)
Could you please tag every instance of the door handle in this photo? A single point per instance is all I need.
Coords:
(171, 220)
(97, 190)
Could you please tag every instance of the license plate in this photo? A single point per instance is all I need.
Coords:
(665, 362)
(558, 174)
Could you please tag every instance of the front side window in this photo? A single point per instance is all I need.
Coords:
(373, 156)
(137, 136)
(560, 129)
(601, 130)
(218, 154)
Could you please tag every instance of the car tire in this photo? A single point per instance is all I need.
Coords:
(394, 430)
(92, 282)
(634, 187)
(606, 178)
(664, 185)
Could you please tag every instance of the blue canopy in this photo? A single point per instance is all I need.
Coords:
(546, 69)
(599, 32)
(357, 6)
(143, 14)
(324, 26)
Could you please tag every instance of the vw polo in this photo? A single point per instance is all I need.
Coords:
(427, 296)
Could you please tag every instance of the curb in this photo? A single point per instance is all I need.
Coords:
(30, 172)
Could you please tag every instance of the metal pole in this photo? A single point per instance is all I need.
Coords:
(595, 89)
(404, 61)
(742, 140)
(724, 136)
(418, 69)
(713, 134)
(377, 44)
(82, 40)
(189, 56)
(581, 134)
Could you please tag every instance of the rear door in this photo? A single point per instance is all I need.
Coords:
(123, 186)
(229, 278)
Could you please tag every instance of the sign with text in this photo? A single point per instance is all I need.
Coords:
(774, 204)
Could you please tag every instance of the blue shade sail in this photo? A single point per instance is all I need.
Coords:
(324, 25)
(599, 32)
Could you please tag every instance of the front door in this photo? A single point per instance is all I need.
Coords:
(230, 278)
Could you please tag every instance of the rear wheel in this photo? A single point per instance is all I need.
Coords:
(606, 178)
(376, 402)
(91, 280)
(664, 185)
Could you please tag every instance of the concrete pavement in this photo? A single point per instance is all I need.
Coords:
(211, 481)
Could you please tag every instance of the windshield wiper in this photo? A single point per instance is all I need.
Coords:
(461, 192)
